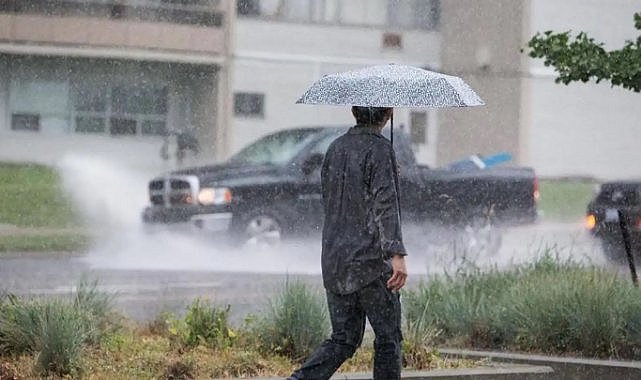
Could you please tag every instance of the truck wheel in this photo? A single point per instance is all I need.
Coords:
(478, 237)
(614, 251)
(261, 230)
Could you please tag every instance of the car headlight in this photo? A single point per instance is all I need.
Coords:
(214, 196)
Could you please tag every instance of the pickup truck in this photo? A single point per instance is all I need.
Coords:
(271, 190)
(603, 218)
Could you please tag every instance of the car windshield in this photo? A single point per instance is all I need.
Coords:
(275, 149)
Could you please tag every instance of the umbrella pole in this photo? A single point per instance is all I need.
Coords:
(391, 125)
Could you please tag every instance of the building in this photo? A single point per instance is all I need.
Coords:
(282, 46)
(584, 129)
(116, 76)
(112, 77)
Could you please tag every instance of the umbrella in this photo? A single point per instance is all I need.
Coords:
(391, 86)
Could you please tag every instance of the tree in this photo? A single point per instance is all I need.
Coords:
(582, 59)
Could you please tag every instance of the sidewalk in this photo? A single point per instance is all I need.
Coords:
(493, 372)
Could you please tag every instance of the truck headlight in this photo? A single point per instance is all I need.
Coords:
(214, 196)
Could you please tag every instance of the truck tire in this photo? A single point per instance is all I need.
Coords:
(614, 251)
(478, 237)
(260, 229)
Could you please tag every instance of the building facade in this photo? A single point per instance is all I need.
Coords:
(116, 77)
(579, 130)
(583, 129)
(112, 77)
(282, 46)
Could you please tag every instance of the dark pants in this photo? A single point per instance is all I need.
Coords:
(347, 313)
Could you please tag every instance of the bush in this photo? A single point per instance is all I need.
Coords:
(56, 331)
(547, 306)
(97, 308)
(53, 330)
(61, 339)
(419, 336)
(295, 323)
(208, 325)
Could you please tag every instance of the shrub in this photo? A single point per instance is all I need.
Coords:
(97, 308)
(61, 339)
(56, 331)
(419, 336)
(207, 324)
(547, 306)
(295, 323)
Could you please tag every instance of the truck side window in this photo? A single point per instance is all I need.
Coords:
(322, 145)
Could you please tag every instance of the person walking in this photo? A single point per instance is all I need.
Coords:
(363, 256)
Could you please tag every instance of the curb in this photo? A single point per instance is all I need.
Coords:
(493, 372)
(564, 368)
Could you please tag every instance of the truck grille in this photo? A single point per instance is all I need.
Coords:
(172, 191)
(180, 192)
(156, 192)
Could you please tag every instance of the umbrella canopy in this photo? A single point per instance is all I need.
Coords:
(391, 86)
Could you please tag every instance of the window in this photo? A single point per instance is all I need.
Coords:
(401, 14)
(418, 132)
(120, 110)
(414, 14)
(194, 12)
(275, 149)
(248, 7)
(322, 146)
(121, 126)
(88, 124)
(25, 122)
(249, 104)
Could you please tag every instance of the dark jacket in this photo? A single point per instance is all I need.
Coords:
(362, 227)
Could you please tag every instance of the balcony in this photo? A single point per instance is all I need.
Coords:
(196, 26)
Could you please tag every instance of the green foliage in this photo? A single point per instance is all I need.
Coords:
(96, 309)
(547, 306)
(59, 340)
(208, 325)
(295, 323)
(31, 196)
(419, 338)
(55, 330)
(582, 59)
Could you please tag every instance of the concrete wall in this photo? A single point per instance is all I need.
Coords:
(481, 43)
(584, 128)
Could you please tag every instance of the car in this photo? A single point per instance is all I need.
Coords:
(613, 203)
(271, 190)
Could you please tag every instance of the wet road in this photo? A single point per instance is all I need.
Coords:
(165, 273)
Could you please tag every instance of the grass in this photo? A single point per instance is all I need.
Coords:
(46, 242)
(32, 197)
(546, 306)
(80, 337)
(33, 202)
(565, 200)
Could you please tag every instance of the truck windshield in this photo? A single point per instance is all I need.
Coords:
(276, 149)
